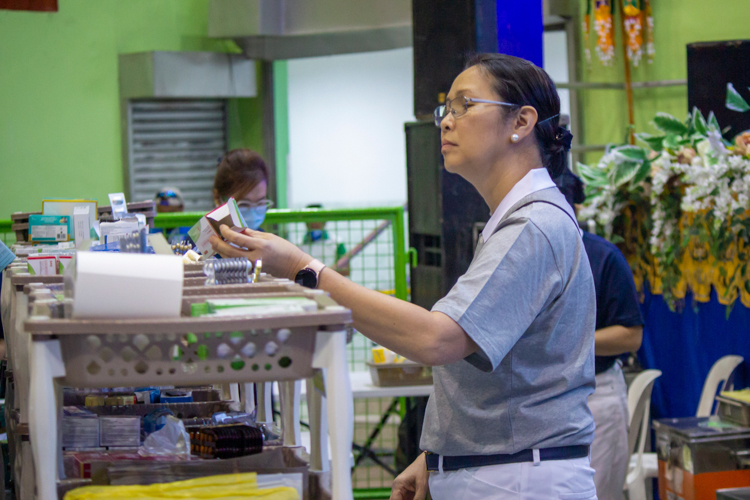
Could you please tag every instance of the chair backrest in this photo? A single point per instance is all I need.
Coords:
(716, 381)
(639, 407)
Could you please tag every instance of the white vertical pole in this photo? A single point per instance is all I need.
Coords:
(46, 364)
(330, 354)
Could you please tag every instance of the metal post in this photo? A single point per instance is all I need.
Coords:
(399, 254)
(574, 75)
(269, 126)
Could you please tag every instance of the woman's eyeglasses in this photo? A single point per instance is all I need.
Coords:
(250, 204)
(460, 105)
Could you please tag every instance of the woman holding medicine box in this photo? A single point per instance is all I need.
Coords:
(513, 341)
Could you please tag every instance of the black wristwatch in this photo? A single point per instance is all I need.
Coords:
(310, 276)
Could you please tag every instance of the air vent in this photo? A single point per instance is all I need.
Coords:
(176, 144)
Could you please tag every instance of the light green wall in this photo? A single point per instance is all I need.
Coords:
(59, 111)
(677, 23)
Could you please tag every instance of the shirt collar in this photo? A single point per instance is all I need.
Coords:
(536, 180)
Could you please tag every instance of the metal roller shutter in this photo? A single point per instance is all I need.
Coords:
(176, 144)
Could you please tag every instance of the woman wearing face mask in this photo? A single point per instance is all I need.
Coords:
(512, 344)
(242, 174)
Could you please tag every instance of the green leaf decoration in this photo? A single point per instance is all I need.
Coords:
(655, 142)
(673, 142)
(696, 138)
(735, 102)
(713, 123)
(616, 238)
(669, 124)
(591, 192)
(624, 171)
(631, 152)
(641, 173)
(699, 123)
(592, 176)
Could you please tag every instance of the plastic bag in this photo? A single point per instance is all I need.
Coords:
(225, 487)
(172, 439)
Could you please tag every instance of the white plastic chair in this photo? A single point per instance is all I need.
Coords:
(639, 407)
(716, 381)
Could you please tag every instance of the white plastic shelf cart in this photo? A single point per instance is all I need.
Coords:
(193, 351)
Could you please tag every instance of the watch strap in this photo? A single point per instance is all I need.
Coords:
(315, 267)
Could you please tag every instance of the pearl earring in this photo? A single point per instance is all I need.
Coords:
(514, 138)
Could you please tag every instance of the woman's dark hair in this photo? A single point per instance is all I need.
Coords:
(239, 171)
(520, 82)
(571, 186)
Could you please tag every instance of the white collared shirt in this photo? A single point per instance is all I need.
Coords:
(536, 180)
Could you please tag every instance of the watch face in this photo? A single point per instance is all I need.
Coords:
(307, 278)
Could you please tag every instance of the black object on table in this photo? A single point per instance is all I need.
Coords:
(733, 494)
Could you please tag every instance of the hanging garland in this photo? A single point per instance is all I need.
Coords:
(605, 31)
(633, 24)
(638, 24)
(650, 49)
(586, 29)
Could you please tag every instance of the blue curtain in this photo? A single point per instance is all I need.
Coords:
(685, 345)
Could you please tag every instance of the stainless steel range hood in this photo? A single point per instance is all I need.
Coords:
(288, 29)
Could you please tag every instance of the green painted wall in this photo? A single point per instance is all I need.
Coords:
(59, 111)
(677, 23)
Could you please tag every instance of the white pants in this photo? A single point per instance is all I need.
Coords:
(609, 451)
(549, 480)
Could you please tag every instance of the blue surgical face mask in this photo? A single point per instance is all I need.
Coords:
(316, 234)
(254, 216)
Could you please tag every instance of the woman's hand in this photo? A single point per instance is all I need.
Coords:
(412, 484)
(280, 258)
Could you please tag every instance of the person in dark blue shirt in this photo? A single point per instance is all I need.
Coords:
(619, 330)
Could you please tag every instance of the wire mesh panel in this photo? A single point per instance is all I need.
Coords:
(375, 467)
(365, 249)
(362, 250)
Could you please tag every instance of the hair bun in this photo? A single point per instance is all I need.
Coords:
(564, 138)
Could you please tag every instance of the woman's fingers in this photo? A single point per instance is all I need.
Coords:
(238, 238)
(223, 249)
(226, 250)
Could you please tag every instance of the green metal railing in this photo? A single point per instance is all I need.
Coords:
(275, 218)
(7, 236)
(280, 221)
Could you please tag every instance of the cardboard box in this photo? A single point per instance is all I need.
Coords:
(50, 228)
(82, 223)
(119, 400)
(67, 207)
(111, 231)
(80, 428)
(42, 265)
(62, 263)
(94, 400)
(120, 431)
(228, 214)
(88, 463)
